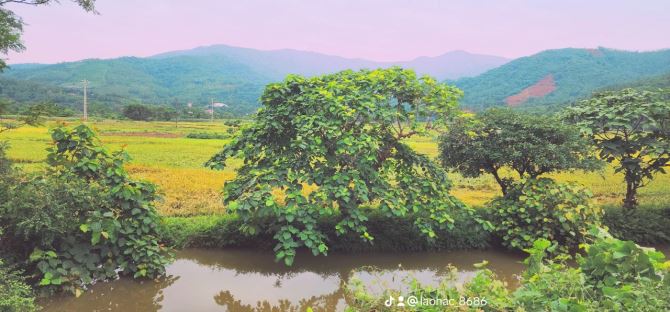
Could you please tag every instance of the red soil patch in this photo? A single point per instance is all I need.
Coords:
(539, 89)
(143, 134)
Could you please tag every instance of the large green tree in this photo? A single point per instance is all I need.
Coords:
(631, 129)
(11, 26)
(529, 145)
(331, 145)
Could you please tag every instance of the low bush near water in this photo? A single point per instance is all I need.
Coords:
(83, 220)
(542, 208)
(644, 225)
(400, 234)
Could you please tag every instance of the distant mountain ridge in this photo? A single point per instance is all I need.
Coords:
(236, 76)
(554, 78)
(233, 75)
(450, 65)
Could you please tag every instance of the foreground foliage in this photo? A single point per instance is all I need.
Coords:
(15, 294)
(342, 135)
(542, 208)
(82, 221)
(613, 275)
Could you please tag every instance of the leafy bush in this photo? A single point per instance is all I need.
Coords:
(15, 294)
(342, 135)
(542, 208)
(610, 262)
(5, 163)
(207, 136)
(644, 225)
(232, 123)
(84, 220)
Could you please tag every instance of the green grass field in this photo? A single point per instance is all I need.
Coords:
(162, 154)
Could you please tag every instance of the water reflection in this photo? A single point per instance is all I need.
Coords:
(243, 280)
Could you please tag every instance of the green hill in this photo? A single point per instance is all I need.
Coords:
(554, 78)
(232, 75)
(127, 80)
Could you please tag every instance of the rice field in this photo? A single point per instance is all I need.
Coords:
(162, 154)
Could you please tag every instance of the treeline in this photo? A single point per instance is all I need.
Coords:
(139, 112)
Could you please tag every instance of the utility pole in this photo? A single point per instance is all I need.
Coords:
(85, 82)
(176, 113)
(211, 107)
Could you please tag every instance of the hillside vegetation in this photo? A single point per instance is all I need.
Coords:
(234, 76)
(575, 74)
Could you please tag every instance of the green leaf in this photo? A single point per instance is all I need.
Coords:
(84, 227)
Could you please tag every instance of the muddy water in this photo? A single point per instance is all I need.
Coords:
(241, 280)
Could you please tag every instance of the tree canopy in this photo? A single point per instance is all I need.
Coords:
(631, 129)
(499, 139)
(331, 145)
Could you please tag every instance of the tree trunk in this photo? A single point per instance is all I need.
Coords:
(501, 182)
(630, 202)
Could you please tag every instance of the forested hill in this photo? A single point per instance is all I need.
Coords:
(557, 77)
(234, 76)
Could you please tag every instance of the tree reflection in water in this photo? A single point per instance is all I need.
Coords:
(328, 302)
(243, 280)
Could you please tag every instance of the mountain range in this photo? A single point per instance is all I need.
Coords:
(232, 75)
(237, 76)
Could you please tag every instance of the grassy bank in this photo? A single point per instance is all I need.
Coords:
(162, 154)
(393, 234)
(645, 226)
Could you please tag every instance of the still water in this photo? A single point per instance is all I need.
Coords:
(243, 280)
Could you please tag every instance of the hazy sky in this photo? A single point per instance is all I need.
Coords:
(374, 29)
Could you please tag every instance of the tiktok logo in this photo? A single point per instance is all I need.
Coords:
(391, 300)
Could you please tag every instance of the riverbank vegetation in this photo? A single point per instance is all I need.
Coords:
(349, 162)
(610, 275)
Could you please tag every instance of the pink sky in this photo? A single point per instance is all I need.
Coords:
(381, 30)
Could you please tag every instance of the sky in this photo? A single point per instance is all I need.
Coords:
(381, 30)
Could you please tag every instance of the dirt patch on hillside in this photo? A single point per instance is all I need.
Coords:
(539, 89)
(143, 134)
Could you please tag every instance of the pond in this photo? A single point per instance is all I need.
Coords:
(244, 280)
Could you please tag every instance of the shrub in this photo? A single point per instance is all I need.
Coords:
(207, 136)
(84, 220)
(39, 211)
(632, 263)
(542, 208)
(400, 234)
(15, 294)
(343, 135)
(5, 163)
(644, 225)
